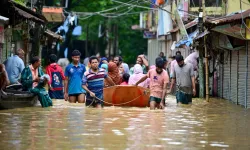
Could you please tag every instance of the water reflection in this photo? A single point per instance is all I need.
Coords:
(215, 125)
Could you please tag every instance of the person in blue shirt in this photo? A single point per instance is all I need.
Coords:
(73, 91)
(14, 66)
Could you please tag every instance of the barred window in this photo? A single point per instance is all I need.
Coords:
(208, 3)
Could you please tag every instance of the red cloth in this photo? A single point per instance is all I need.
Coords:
(55, 68)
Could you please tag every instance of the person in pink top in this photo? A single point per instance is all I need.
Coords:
(158, 83)
(192, 59)
(125, 78)
(138, 74)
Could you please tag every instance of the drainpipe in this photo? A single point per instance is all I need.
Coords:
(246, 74)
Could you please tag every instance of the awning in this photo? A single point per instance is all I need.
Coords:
(53, 34)
(188, 41)
(4, 19)
(229, 43)
(201, 35)
(27, 13)
(230, 18)
(237, 31)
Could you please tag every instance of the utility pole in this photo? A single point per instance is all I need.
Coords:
(206, 55)
(37, 31)
(201, 66)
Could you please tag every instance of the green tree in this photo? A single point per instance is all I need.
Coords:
(21, 2)
(131, 43)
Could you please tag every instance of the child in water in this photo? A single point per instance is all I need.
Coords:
(125, 78)
(43, 95)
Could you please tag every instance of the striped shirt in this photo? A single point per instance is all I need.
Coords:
(94, 81)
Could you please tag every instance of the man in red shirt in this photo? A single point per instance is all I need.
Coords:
(56, 78)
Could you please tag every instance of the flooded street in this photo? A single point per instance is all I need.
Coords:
(214, 125)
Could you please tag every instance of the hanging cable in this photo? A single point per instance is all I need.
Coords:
(133, 5)
(242, 16)
(113, 15)
(117, 15)
(110, 9)
(149, 2)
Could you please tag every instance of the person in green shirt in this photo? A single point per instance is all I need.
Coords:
(141, 60)
(34, 80)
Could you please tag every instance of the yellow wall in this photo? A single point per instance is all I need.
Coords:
(209, 10)
(234, 5)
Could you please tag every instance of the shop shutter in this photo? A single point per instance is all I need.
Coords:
(220, 80)
(226, 75)
(242, 77)
(234, 76)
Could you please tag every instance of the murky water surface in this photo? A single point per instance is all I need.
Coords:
(214, 125)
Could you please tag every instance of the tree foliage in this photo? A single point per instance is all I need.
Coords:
(21, 2)
(131, 43)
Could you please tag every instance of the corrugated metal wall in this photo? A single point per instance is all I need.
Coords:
(220, 81)
(168, 50)
(242, 77)
(248, 78)
(226, 75)
(234, 76)
(184, 52)
(210, 78)
(154, 49)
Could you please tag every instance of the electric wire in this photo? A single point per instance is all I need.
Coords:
(242, 20)
(109, 15)
(133, 5)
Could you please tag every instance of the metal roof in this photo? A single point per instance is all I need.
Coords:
(53, 34)
(236, 31)
(230, 18)
(27, 13)
(201, 35)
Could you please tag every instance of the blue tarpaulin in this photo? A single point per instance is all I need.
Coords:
(77, 31)
(187, 41)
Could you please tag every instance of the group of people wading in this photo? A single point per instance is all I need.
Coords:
(84, 83)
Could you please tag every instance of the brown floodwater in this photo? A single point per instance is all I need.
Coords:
(218, 124)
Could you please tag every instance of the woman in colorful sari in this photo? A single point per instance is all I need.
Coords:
(34, 80)
(113, 73)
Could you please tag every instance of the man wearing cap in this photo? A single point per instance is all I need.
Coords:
(183, 74)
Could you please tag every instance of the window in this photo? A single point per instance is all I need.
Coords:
(208, 3)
